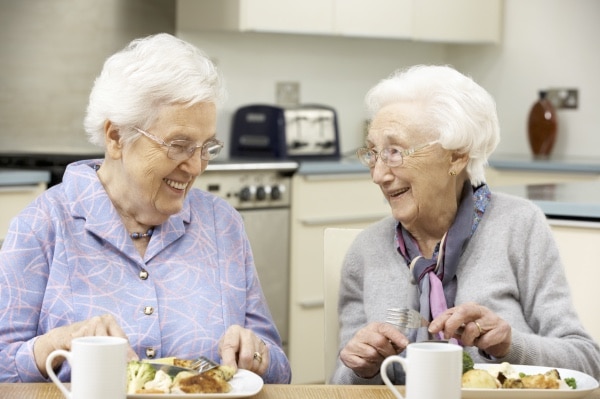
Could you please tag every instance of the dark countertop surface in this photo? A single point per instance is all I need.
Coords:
(18, 177)
(552, 164)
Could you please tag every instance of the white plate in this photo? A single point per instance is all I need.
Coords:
(585, 384)
(243, 384)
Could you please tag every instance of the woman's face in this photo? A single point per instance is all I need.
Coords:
(419, 190)
(156, 184)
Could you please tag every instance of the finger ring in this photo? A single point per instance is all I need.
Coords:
(480, 329)
(257, 357)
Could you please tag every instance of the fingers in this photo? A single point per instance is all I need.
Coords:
(369, 346)
(241, 348)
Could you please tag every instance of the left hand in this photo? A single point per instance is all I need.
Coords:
(239, 347)
(481, 328)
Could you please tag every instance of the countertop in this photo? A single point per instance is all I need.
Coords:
(18, 177)
(554, 163)
(572, 201)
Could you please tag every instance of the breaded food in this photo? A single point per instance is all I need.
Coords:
(212, 381)
(476, 378)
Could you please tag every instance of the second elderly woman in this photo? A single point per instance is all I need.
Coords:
(481, 266)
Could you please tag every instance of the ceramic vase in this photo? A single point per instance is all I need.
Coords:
(542, 127)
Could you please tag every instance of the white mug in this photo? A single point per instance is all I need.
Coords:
(433, 371)
(98, 368)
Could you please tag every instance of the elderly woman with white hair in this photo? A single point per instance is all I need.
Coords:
(125, 246)
(483, 267)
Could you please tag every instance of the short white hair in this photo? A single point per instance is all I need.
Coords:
(148, 74)
(459, 111)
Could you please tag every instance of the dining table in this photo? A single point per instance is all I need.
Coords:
(268, 391)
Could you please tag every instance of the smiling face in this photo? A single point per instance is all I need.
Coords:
(422, 194)
(145, 185)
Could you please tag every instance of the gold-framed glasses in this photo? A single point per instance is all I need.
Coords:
(182, 150)
(390, 156)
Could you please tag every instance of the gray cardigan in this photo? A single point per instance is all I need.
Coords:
(511, 265)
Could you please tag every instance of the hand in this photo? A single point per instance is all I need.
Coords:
(481, 328)
(61, 337)
(365, 352)
(240, 348)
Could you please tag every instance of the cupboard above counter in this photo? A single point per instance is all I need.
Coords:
(458, 21)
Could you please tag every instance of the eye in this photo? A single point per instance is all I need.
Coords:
(394, 153)
(180, 146)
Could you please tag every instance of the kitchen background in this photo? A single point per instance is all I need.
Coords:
(52, 51)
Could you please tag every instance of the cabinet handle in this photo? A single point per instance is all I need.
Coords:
(342, 220)
(312, 304)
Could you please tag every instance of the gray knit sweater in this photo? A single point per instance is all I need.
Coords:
(511, 265)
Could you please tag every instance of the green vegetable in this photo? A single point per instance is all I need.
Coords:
(467, 362)
(138, 373)
(571, 382)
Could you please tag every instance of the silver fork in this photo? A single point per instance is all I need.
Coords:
(203, 364)
(408, 319)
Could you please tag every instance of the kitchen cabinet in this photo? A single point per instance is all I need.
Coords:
(576, 240)
(460, 21)
(12, 201)
(319, 201)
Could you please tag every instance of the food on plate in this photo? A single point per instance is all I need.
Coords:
(477, 378)
(142, 378)
(505, 376)
(467, 362)
(138, 373)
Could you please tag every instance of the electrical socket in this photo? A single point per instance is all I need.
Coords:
(287, 94)
(563, 98)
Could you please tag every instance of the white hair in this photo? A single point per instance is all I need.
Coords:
(459, 111)
(146, 75)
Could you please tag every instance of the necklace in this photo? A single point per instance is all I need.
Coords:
(148, 233)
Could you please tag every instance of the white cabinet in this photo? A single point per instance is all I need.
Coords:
(430, 20)
(320, 201)
(577, 242)
(12, 201)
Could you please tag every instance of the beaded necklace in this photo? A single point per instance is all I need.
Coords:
(148, 233)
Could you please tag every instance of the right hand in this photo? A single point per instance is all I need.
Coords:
(61, 337)
(365, 352)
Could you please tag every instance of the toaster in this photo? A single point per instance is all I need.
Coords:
(268, 131)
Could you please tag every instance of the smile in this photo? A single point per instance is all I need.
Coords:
(175, 185)
(398, 193)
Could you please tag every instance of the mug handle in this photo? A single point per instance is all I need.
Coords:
(52, 375)
(386, 379)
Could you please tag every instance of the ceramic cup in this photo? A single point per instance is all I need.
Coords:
(98, 368)
(433, 371)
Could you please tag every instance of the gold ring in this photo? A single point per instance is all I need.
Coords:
(257, 357)
(480, 329)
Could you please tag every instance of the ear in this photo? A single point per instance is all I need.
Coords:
(112, 138)
(458, 162)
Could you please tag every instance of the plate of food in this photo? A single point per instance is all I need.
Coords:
(506, 381)
(145, 382)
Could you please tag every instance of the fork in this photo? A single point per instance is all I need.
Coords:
(407, 319)
(203, 364)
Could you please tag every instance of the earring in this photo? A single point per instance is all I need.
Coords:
(452, 173)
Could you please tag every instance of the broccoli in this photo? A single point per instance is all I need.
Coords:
(571, 382)
(467, 362)
(138, 373)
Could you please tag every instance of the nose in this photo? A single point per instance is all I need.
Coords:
(194, 165)
(380, 172)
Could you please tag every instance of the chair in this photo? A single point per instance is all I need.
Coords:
(335, 244)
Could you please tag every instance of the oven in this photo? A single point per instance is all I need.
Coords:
(261, 193)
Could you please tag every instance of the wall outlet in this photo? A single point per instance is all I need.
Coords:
(287, 94)
(563, 98)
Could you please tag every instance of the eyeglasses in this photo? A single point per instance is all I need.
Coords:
(391, 156)
(182, 150)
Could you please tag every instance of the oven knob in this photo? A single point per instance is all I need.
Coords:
(275, 193)
(261, 194)
(245, 194)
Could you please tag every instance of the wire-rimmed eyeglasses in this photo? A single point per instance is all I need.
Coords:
(182, 150)
(391, 156)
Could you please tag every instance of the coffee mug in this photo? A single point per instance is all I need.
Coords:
(433, 371)
(98, 368)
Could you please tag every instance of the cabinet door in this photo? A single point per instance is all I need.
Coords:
(457, 20)
(306, 16)
(13, 199)
(374, 18)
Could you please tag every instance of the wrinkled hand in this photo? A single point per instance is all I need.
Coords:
(238, 347)
(481, 328)
(365, 352)
(61, 337)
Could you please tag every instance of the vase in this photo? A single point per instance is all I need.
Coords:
(542, 127)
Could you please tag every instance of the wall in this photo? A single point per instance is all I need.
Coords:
(52, 50)
(51, 53)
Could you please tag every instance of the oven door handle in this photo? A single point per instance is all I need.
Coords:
(312, 303)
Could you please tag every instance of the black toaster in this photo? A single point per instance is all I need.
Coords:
(266, 131)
